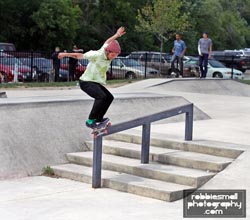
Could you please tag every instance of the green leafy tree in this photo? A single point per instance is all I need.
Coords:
(163, 18)
(16, 22)
(57, 23)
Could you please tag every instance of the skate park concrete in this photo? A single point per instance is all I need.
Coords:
(228, 122)
(37, 131)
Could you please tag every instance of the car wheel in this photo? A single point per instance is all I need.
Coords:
(217, 75)
(130, 75)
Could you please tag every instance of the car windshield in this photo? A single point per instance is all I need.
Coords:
(10, 61)
(193, 61)
(130, 62)
(216, 64)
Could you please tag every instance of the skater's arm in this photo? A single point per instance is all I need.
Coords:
(73, 55)
(119, 33)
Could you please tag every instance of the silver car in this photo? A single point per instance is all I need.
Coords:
(126, 68)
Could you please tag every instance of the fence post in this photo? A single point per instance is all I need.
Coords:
(146, 63)
(232, 70)
(189, 124)
(145, 143)
(97, 163)
(31, 64)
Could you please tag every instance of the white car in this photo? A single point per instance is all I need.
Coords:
(217, 70)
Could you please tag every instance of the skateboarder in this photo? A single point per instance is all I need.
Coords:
(94, 77)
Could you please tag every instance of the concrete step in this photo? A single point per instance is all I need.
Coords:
(166, 156)
(168, 173)
(158, 140)
(124, 182)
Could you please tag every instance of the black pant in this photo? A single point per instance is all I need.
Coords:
(56, 71)
(103, 99)
(72, 68)
(179, 60)
(203, 61)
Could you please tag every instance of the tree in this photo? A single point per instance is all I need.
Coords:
(163, 18)
(56, 23)
(225, 25)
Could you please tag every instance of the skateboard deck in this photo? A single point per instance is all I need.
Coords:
(101, 130)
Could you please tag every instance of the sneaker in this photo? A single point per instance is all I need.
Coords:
(91, 123)
(102, 124)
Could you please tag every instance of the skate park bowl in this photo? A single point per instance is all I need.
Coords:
(209, 86)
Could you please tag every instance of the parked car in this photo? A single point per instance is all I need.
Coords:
(7, 47)
(44, 69)
(217, 70)
(156, 60)
(189, 69)
(80, 67)
(7, 67)
(126, 68)
(232, 59)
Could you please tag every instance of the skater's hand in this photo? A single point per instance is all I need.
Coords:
(61, 55)
(121, 31)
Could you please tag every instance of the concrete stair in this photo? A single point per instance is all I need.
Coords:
(174, 166)
(158, 140)
(166, 156)
(124, 182)
(168, 173)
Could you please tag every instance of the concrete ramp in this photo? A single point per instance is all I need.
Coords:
(207, 86)
(36, 134)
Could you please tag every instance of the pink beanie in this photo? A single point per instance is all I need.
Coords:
(114, 46)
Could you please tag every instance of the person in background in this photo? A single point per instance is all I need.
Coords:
(205, 52)
(179, 51)
(73, 62)
(56, 63)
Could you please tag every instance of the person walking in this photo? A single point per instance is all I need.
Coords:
(179, 51)
(72, 63)
(94, 77)
(205, 52)
(56, 63)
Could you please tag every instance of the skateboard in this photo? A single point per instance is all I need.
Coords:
(102, 129)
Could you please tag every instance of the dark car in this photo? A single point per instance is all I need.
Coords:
(44, 69)
(232, 59)
(7, 47)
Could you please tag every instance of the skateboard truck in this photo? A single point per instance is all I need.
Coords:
(100, 131)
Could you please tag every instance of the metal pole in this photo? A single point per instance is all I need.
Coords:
(189, 124)
(232, 71)
(97, 162)
(145, 143)
(146, 63)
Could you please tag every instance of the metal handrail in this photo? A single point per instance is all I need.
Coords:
(145, 122)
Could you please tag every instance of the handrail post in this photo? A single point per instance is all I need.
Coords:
(97, 162)
(189, 124)
(145, 143)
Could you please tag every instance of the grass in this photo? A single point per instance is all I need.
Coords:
(48, 171)
(246, 81)
(112, 83)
